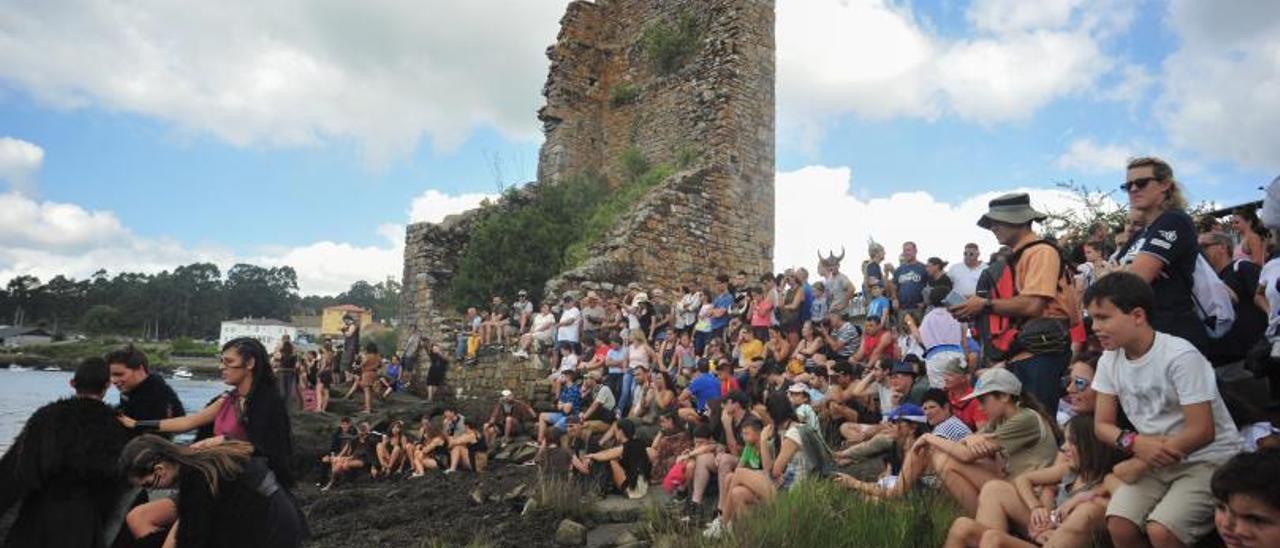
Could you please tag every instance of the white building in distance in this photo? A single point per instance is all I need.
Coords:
(268, 332)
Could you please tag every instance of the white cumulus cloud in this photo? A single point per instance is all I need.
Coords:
(1086, 156)
(19, 162)
(433, 206)
(876, 59)
(381, 74)
(819, 209)
(1220, 91)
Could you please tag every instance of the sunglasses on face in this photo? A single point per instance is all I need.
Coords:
(971, 254)
(1137, 185)
(1079, 383)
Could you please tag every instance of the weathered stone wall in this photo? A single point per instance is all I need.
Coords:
(716, 216)
(714, 116)
(492, 373)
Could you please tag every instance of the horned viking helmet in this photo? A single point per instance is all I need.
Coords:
(831, 259)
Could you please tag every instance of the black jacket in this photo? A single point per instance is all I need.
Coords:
(267, 423)
(240, 515)
(153, 399)
(63, 469)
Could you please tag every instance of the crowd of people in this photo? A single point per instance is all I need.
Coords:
(1115, 383)
(89, 475)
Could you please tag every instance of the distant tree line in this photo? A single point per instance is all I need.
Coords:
(189, 301)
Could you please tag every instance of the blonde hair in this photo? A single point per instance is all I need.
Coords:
(219, 462)
(1174, 198)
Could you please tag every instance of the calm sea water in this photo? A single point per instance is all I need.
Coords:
(22, 392)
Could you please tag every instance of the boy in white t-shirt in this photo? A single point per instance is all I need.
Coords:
(1182, 430)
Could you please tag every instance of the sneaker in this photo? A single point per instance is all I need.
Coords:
(714, 530)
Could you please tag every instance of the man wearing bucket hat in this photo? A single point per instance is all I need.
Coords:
(1026, 316)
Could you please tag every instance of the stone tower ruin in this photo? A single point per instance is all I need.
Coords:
(712, 115)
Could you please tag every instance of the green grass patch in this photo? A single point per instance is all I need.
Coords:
(606, 215)
(623, 94)
(819, 513)
(187, 347)
(670, 44)
(70, 353)
(562, 498)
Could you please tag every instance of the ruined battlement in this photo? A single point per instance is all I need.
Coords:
(687, 84)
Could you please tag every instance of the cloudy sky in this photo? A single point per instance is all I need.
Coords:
(143, 135)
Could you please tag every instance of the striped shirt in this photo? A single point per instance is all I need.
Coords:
(953, 429)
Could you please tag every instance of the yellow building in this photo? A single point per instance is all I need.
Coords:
(331, 320)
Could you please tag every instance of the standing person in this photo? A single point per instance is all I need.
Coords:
(721, 307)
(906, 285)
(252, 410)
(226, 497)
(1181, 428)
(436, 371)
(839, 288)
(368, 375)
(964, 275)
(350, 345)
(872, 271)
(287, 374)
(569, 328)
(687, 309)
(143, 395)
(410, 353)
(1027, 314)
(593, 316)
(936, 281)
(1227, 354)
(62, 468)
(1164, 254)
(1247, 226)
(324, 377)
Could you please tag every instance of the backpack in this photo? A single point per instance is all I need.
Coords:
(1000, 334)
(1212, 298)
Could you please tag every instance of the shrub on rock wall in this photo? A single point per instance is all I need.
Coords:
(671, 44)
(520, 243)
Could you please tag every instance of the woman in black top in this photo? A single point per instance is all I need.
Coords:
(435, 372)
(226, 497)
(1164, 253)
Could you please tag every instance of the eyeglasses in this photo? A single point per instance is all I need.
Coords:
(1080, 383)
(971, 254)
(1137, 185)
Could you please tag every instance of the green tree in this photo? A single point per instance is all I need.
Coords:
(520, 242)
(101, 320)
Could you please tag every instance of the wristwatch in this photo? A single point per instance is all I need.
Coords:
(1124, 441)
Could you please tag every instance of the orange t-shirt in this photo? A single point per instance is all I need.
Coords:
(1038, 274)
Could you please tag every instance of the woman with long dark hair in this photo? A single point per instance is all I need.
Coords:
(252, 411)
(226, 496)
(324, 376)
(1065, 503)
(287, 373)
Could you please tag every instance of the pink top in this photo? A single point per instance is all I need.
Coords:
(227, 422)
(762, 313)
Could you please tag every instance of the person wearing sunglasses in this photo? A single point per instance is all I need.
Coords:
(964, 275)
(1164, 253)
(1080, 399)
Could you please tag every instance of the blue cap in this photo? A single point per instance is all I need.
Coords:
(907, 412)
(903, 367)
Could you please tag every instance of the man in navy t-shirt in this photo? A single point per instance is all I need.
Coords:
(908, 280)
(720, 307)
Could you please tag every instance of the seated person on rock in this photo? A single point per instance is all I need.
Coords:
(508, 418)
(628, 462)
(568, 404)
(1062, 505)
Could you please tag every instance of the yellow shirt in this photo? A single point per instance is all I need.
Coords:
(749, 351)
